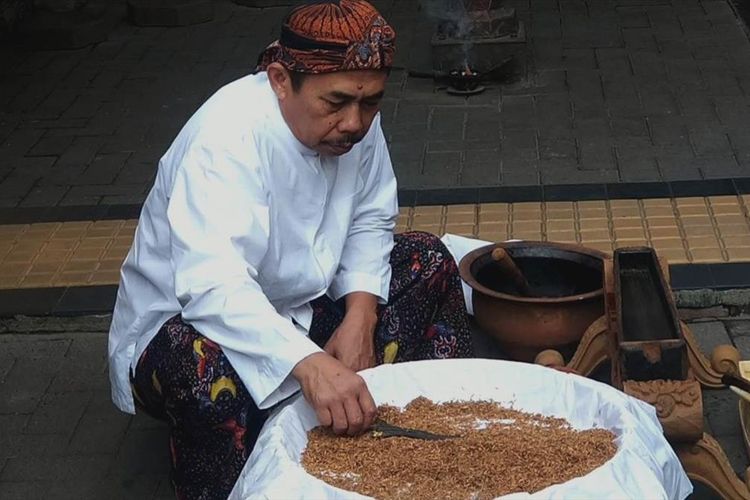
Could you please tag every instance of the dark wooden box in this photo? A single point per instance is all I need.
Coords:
(649, 336)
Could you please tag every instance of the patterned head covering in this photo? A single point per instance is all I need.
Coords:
(324, 36)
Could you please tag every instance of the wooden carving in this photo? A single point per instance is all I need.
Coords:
(706, 462)
(593, 349)
(678, 404)
(550, 358)
(708, 372)
(610, 313)
(725, 360)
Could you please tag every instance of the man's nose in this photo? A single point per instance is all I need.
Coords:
(351, 122)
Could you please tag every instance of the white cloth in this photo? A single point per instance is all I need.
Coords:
(243, 227)
(645, 466)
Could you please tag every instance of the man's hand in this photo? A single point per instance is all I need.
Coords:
(352, 342)
(339, 396)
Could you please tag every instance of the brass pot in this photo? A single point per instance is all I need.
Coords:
(567, 281)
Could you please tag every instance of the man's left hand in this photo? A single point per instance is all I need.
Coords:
(352, 343)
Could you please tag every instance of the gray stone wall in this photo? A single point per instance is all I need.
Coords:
(11, 13)
(59, 5)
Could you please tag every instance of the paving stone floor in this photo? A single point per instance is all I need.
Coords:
(60, 437)
(616, 90)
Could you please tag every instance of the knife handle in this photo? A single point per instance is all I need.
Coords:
(734, 381)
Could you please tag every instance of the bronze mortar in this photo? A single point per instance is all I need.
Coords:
(567, 284)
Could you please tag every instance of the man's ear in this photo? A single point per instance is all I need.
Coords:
(280, 81)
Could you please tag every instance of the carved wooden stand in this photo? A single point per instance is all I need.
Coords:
(678, 403)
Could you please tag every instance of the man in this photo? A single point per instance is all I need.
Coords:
(264, 261)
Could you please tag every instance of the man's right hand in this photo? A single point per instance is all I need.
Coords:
(339, 396)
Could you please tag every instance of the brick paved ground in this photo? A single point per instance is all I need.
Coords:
(617, 90)
(60, 437)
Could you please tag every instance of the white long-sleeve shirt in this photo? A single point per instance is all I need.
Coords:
(243, 227)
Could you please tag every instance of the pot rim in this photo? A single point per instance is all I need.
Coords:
(464, 270)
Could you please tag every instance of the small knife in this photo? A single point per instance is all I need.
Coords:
(383, 429)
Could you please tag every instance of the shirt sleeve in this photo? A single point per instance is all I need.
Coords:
(364, 265)
(219, 221)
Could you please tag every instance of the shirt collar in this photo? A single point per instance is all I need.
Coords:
(283, 127)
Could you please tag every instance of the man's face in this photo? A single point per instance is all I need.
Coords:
(331, 112)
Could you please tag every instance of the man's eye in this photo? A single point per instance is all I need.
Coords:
(334, 104)
(371, 104)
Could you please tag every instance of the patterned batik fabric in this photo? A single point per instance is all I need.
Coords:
(184, 378)
(425, 317)
(336, 35)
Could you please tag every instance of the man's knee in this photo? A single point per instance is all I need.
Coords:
(182, 368)
(424, 242)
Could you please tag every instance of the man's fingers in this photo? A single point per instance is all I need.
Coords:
(330, 348)
(368, 406)
(339, 396)
(324, 416)
(354, 416)
(339, 425)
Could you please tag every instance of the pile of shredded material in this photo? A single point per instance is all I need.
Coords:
(499, 451)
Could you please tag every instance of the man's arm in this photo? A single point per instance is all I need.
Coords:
(219, 227)
(215, 255)
(362, 306)
(352, 342)
(364, 273)
(364, 265)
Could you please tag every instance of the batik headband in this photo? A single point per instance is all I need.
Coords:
(328, 35)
